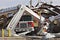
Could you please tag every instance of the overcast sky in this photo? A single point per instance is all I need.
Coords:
(10, 3)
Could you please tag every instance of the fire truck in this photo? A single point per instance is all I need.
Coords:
(23, 25)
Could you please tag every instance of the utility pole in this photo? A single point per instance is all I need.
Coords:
(30, 3)
(38, 1)
(51, 2)
(39, 14)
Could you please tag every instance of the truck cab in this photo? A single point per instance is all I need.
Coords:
(25, 24)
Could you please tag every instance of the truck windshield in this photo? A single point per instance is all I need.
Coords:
(26, 18)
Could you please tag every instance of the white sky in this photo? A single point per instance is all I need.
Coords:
(10, 3)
